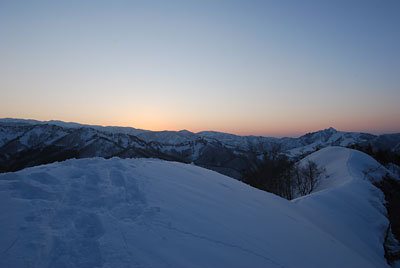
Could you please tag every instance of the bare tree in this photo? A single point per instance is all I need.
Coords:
(307, 176)
(279, 175)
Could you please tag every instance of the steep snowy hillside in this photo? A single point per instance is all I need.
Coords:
(150, 213)
(343, 202)
(254, 143)
(387, 142)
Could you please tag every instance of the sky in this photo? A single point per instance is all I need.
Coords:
(269, 68)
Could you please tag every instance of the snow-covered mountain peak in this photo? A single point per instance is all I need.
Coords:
(185, 131)
(331, 129)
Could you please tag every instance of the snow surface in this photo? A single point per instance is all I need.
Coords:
(151, 213)
(346, 204)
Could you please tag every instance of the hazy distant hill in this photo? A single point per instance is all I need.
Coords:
(25, 143)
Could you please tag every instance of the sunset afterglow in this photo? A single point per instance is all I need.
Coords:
(271, 68)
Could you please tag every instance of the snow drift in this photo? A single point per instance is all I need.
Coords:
(151, 213)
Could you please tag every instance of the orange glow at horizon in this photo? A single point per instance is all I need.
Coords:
(154, 122)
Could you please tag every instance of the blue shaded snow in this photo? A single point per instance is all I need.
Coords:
(151, 213)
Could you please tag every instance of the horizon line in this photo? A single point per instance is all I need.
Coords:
(53, 121)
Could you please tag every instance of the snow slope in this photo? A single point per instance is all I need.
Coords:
(346, 204)
(151, 213)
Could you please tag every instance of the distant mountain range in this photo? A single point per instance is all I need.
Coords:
(25, 143)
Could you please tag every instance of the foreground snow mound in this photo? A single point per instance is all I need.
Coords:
(150, 213)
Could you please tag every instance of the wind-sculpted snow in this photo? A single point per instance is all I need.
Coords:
(151, 213)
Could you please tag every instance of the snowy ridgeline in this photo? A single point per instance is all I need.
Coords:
(150, 213)
(32, 133)
(28, 143)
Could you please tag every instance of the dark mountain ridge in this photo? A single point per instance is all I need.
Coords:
(25, 143)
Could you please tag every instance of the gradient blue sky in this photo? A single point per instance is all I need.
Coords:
(272, 68)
